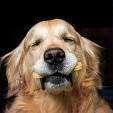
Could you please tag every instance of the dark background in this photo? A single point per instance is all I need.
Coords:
(93, 20)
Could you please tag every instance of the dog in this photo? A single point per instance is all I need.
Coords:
(52, 49)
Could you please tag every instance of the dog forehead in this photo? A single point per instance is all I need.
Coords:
(51, 27)
(41, 31)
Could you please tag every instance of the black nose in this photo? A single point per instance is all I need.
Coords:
(54, 56)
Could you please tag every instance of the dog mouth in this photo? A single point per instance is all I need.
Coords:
(56, 83)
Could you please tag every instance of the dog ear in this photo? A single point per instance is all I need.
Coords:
(92, 53)
(12, 62)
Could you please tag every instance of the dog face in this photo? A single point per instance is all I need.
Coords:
(51, 53)
(52, 49)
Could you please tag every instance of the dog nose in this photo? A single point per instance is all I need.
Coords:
(54, 55)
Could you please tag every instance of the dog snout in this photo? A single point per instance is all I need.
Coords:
(54, 56)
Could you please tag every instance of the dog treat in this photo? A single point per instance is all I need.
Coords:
(35, 75)
(78, 66)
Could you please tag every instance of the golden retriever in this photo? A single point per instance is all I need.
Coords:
(52, 49)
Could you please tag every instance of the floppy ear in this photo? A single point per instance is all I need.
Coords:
(12, 62)
(91, 51)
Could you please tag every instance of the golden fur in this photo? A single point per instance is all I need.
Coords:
(30, 98)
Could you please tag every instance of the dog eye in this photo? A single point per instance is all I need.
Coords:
(36, 43)
(68, 39)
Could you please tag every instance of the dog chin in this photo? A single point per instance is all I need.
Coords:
(57, 83)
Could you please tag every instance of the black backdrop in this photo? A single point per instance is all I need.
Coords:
(14, 28)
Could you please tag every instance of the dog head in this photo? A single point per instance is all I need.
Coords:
(52, 49)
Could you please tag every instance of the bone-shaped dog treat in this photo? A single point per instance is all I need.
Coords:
(35, 75)
(78, 66)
